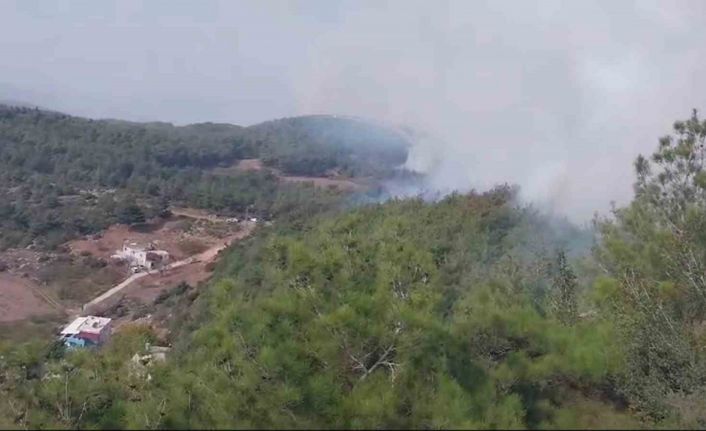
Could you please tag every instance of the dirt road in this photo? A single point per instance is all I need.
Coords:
(199, 214)
(206, 256)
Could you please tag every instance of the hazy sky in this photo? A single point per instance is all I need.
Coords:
(558, 96)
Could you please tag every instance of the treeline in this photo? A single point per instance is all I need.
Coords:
(465, 313)
(62, 176)
(302, 146)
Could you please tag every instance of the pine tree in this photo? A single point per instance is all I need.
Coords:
(563, 300)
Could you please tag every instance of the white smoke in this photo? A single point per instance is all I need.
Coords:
(556, 96)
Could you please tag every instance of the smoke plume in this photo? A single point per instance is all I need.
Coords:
(556, 96)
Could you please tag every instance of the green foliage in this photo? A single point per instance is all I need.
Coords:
(131, 214)
(564, 295)
(376, 318)
(313, 145)
(354, 324)
(655, 250)
(63, 176)
(470, 312)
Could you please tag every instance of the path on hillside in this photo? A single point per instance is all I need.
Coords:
(198, 214)
(205, 256)
(48, 299)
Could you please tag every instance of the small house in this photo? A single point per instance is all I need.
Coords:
(142, 257)
(87, 331)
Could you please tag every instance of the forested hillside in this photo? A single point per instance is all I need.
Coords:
(464, 313)
(62, 176)
(303, 145)
(398, 315)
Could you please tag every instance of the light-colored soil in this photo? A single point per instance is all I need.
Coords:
(249, 165)
(168, 236)
(66, 280)
(37, 283)
(106, 244)
(191, 213)
(22, 261)
(18, 300)
(245, 165)
(198, 214)
(339, 183)
(334, 179)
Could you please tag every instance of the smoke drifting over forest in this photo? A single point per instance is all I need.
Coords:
(558, 97)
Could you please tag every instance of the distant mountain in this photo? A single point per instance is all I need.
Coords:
(312, 145)
(20, 104)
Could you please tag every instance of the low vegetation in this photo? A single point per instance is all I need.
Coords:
(63, 176)
(470, 312)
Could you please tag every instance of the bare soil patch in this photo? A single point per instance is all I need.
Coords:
(178, 235)
(24, 262)
(104, 245)
(249, 165)
(339, 183)
(36, 283)
(64, 279)
(333, 179)
(158, 299)
(198, 267)
(18, 300)
(245, 165)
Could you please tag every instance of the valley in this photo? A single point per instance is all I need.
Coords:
(352, 215)
(265, 277)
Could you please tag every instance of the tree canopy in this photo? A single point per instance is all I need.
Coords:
(62, 176)
(470, 312)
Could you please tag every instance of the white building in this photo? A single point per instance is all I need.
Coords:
(141, 257)
(87, 331)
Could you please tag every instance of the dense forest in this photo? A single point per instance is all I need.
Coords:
(470, 312)
(62, 176)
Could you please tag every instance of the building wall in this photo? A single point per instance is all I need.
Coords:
(135, 257)
(72, 342)
(106, 332)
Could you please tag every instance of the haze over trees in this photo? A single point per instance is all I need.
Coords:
(470, 312)
(62, 176)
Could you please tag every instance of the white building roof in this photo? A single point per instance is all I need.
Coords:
(73, 327)
(134, 246)
(93, 324)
